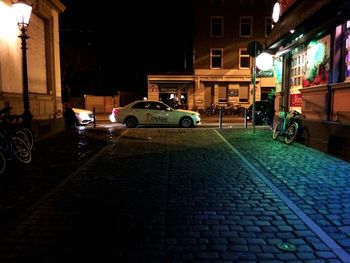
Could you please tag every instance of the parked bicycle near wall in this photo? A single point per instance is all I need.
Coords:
(13, 146)
(15, 141)
(288, 125)
(13, 126)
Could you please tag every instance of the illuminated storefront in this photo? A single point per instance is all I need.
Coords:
(312, 68)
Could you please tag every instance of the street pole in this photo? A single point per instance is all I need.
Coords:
(254, 49)
(254, 88)
(27, 116)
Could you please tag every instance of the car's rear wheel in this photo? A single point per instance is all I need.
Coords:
(131, 122)
(186, 122)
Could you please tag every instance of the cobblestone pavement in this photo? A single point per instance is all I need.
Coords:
(316, 182)
(53, 159)
(180, 195)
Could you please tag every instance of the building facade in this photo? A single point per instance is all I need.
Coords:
(43, 64)
(311, 43)
(221, 64)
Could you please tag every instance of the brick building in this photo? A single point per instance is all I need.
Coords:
(221, 71)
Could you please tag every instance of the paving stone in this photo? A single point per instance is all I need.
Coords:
(182, 195)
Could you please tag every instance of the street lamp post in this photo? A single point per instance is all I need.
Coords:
(23, 11)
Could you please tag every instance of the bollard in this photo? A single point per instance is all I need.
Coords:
(94, 111)
(220, 119)
(245, 118)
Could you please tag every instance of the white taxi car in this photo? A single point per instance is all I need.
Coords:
(146, 112)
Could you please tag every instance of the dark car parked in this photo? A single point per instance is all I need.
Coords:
(264, 112)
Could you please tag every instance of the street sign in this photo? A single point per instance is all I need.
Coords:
(254, 48)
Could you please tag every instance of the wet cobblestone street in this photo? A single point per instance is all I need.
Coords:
(175, 195)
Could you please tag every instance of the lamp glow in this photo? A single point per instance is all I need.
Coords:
(22, 12)
(264, 61)
(276, 12)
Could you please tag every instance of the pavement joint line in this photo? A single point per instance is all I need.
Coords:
(67, 179)
(336, 249)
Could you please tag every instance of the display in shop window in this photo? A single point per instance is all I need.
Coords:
(278, 67)
(295, 100)
(317, 62)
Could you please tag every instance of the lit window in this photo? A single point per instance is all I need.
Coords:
(244, 58)
(347, 51)
(246, 24)
(347, 57)
(298, 64)
(217, 26)
(216, 58)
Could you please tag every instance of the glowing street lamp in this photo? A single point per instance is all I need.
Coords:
(264, 61)
(23, 11)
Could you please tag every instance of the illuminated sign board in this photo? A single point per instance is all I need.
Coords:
(295, 100)
(264, 73)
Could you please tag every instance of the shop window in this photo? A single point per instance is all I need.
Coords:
(246, 25)
(297, 66)
(244, 92)
(222, 93)
(316, 63)
(183, 101)
(244, 58)
(217, 26)
(347, 51)
(216, 58)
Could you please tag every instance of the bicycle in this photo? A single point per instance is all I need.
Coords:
(22, 132)
(15, 141)
(13, 127)
(288, 125)
(13, 146)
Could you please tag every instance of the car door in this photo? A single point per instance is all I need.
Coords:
(160, 114)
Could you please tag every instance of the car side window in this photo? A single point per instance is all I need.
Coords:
(153, 106)
(160, 106)
(148, 106)
(140, 105)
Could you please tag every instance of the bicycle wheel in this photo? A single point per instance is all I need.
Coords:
(21, 134)
(2, 163)
(20, 149)
(277, 131)
(291, 133)
(30, 137)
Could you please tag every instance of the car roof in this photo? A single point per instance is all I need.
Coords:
(137, 101)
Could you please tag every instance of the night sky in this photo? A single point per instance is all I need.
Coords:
(119, 45)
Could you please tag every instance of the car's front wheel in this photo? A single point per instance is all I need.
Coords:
(186, 122)
(131, 122)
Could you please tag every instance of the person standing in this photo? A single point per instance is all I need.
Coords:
(70, 120)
